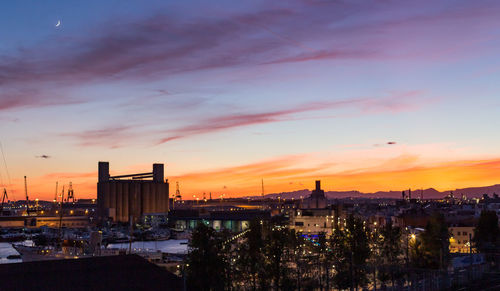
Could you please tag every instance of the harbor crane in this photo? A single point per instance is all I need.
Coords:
(55, 195)
(178, 196)
(71, 193)
(61, 214)
(3, 200)
(27, 198)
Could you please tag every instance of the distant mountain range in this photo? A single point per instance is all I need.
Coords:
(430, 193)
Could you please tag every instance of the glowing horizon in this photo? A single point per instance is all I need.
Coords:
(280, 175)
(363, 95)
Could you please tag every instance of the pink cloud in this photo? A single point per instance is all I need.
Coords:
(111, 137)
(163, 45)
(393, 103)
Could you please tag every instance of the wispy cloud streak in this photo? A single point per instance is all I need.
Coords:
(393, 103)
(162, 45)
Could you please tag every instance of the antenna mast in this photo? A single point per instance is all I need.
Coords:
(262, 188)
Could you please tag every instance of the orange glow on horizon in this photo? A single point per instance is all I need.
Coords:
(280, 176)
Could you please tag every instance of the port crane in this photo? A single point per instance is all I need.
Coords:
(27, 198)
(61, 213)
(178, 196)
(3, 200)
(55, 195)
(71, 193)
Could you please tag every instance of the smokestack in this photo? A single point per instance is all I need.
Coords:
(318, 185)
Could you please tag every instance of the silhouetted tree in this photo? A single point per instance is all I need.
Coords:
(206, 270)
(487, 233)
(435, 243)
(360, 249)
(251, 259)
(298, 248)
(390, 252)
(341, 259)
(376, 241)
(351, 250)
(326, 259)
(228, 253)
(276, 245)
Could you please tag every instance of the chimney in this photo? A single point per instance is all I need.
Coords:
(318, 185)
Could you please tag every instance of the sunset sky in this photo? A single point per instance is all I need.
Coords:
(364, 95)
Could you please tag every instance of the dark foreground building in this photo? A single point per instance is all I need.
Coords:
(124, 272)
(131, 196)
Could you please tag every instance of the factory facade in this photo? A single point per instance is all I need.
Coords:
(125, 197)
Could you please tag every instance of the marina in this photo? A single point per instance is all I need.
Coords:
(173, 247)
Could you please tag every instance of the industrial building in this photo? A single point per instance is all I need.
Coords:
(125, 197)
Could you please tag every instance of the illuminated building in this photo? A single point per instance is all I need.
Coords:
(460, 238)
(314, 217)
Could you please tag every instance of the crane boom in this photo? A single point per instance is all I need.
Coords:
(3, 200)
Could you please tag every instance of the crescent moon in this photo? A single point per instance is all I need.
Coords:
(58, 23)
